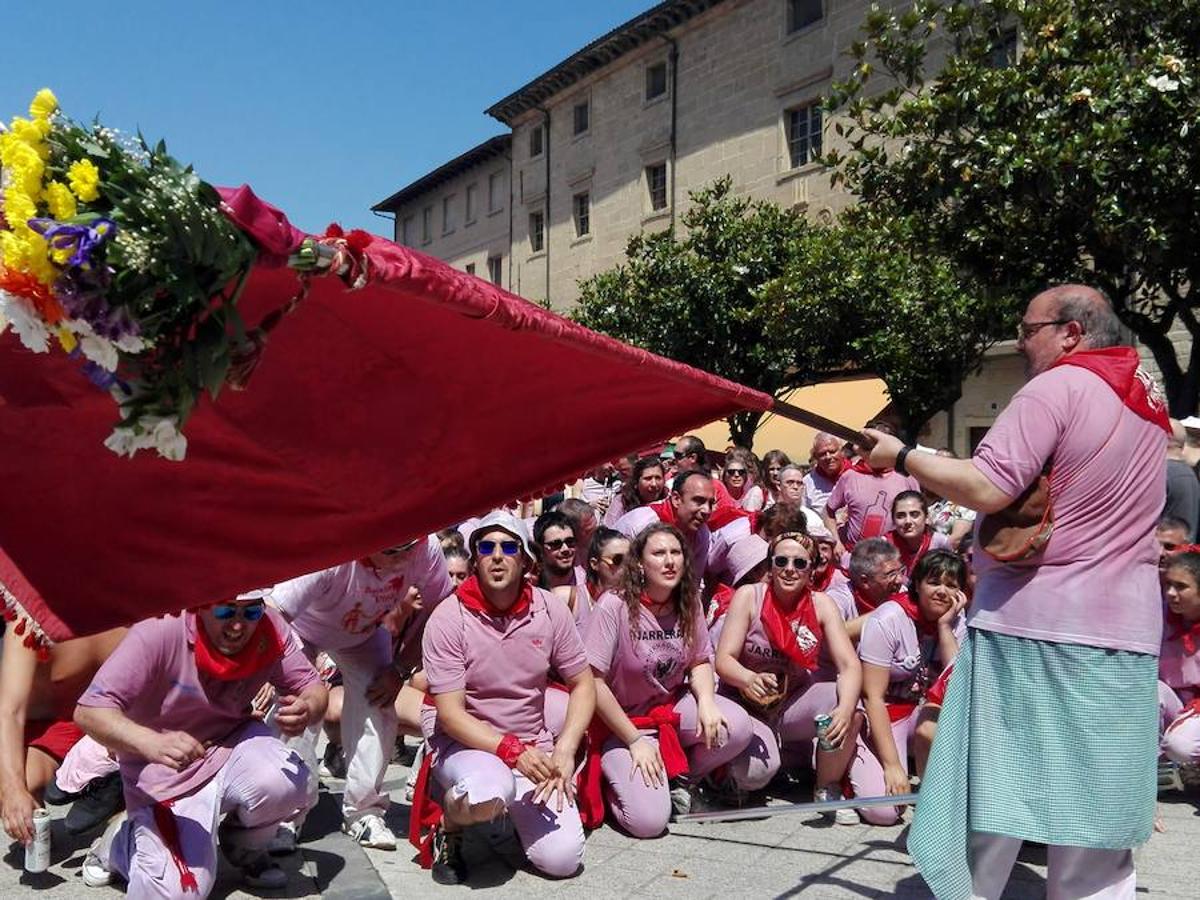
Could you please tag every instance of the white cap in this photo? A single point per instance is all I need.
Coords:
(499, 520)
(256, 594)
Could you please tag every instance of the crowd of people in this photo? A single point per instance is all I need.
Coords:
(678, 631)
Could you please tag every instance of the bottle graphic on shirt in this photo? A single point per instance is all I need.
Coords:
(875, 517)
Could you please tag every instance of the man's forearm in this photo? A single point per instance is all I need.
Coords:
(580, 709)
(113, 729)
(12, 752)
(957, 480)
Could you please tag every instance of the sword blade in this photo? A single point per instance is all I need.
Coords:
(760, 812)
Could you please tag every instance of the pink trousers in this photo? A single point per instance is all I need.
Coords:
(1072, 873)
(84, 762)
(791, 728)
(552, 840)
(262, 784)
(1180, 728)
(866, 771)
(644, 811)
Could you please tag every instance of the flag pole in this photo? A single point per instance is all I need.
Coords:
(761, 812)
(819, 422)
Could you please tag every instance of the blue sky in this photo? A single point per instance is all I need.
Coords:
(324, 108)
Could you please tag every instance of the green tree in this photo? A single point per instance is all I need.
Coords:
(1036, 141)
(759, 295)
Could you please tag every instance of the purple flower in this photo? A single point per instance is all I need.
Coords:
(84, 240)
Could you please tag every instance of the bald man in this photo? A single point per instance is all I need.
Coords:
(1183, 488)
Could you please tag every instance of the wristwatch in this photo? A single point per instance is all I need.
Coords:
(900, 457)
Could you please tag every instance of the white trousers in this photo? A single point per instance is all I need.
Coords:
(368, 732)
(1072, 873)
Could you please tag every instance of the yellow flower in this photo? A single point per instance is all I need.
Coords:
(66, 340)
(85, 180)
(25, 166)
(60, 200)
(18, 208)
(44, 104)
(33, 133)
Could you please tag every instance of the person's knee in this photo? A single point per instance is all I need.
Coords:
(644, 821)
(1182, 745)
(558, 858)
(880, 815)
(755, 767)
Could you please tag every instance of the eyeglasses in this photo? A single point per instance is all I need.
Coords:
(615, 560)
(508, 548)
(223, 612)
(736, 473)
(782, 562)
(1026, 330)
(559, 543)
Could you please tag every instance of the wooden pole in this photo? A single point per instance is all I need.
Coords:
(811, 419)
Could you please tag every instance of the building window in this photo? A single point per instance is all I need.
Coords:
(470, 268)
(582, 204)
(802, 13)
(494, 272)
(447, 214)
(535, 141)
(656, 184)
(581, 116)
(803, 134)
(406, 231)
(495, 185)
(427, 225)
(537, 232)
(469, 210)
(656, 80)
(1003, 52)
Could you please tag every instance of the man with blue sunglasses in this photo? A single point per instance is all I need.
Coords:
(174, 703)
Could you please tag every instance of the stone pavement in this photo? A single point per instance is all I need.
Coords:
(784, 856)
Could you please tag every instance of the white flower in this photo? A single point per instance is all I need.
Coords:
(169, 443)
(100, 351)
(150, 433)
(130, 343)
(1164, 84)
(121, 441)
(29, 327)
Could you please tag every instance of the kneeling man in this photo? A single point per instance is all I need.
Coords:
(174, 703)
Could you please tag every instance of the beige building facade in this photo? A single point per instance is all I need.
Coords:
(609, 142)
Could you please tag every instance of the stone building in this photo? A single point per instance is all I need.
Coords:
(609, 142)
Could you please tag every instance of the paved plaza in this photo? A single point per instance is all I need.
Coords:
(784, 856)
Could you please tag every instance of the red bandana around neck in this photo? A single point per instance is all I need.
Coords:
(264, 649)
(1189, 636)
(1121, 369)
(909, 605)
(861, 465)
(821, 581)
(910, 558)
(664, 510)
(471, 596)
(862, 602)
(783, 628)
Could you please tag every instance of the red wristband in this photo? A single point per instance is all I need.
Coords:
(510, 750)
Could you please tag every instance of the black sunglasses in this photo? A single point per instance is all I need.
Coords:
(558, 543)
(731, 472)
(615, 560)
(780, 561)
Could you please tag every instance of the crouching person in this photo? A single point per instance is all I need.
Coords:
(1179, 663)
(174, 703)
(489, 651)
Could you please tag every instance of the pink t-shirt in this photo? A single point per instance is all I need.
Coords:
(341, 607)
(890, 638)
(638, 520)
(646, 666)
(504, 663)
(842, 595)
(721, 540)
(1096, 583)
(868, 502)
(152, 678)
(1178, 669)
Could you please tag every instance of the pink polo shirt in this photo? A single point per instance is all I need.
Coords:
(1096, 583)
(342, 607)
(503, 663)
(638, 520)
(868, 502)
(646, 666)
(152, 678)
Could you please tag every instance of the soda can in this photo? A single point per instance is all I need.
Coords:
(823, 721)
(37, 853)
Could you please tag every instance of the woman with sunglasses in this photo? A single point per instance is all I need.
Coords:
(740, 477)
(910, 533)
(606, 555)
(785, 655)
(646, 484)
(655, 693)
(906, 643)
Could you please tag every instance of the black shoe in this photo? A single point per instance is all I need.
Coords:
(334, 761)
(99, 801)
(404, 754)
(56, 796)
(449, 867)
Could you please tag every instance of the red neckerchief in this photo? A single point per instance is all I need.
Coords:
(906, 603)
(265, 648)
(861, 601)
(781, 626)
(860, 465)
(665, 511)
(470, 594)
(1181, 631)
(1121, 369)
(820, 582)
(910, 558)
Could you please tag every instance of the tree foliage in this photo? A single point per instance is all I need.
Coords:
(1070, 155)
(761, 296)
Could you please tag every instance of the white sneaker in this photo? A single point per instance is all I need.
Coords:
(284, 842)
(410, 787)
(370, 831)
(95, 870)
(839, 816)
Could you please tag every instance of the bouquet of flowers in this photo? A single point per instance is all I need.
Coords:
(120, 256)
